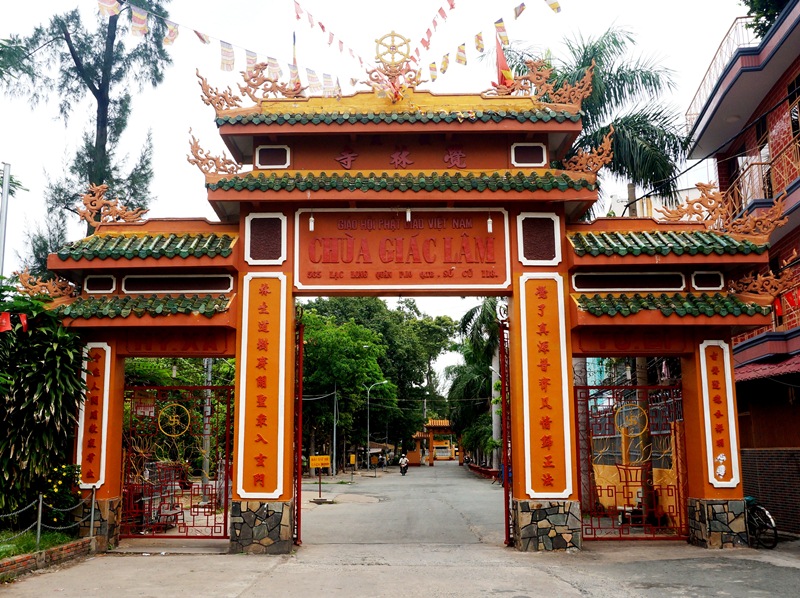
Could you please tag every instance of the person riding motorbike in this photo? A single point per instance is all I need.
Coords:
(403, 464)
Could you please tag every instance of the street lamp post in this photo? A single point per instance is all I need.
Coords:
(369, 457)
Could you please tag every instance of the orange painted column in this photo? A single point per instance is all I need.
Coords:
(99, 441)
(714, 486)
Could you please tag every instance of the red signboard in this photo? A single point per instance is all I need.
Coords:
(398, 248)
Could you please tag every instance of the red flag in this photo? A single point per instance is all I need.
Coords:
(5, 321)
(776, 305)
(504, 74)
(791, 298)
(23, 319)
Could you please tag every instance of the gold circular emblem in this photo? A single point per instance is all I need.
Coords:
(393, 50)
(174, 420)
(630, 420)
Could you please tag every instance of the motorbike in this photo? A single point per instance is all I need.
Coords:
(403, 469)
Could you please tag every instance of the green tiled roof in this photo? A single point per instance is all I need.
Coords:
(661, 242)
(432, 181)
(132, 246)
(679, 304)
(543, 114)
(140, 305)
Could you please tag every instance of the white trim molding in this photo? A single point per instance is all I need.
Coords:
(515, 162)
(682, 286)
(721, 280)
(272, 166)
(248, 234)
(556, 239)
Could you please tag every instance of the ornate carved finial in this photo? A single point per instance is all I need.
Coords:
(96, 208)
(258, 86)
(535, 83)
(765, 284)
(717, 214)
(212, 97)
(31, 285)
(394, 75)
(207, 163)
(595, 159)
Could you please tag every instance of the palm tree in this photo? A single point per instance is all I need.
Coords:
(648, 144)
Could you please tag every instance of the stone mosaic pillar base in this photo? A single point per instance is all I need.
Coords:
(107, 514)
(547, 524)
(717, 523)
(261, 527)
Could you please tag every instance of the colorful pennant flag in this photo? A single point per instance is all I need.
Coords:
(330, 38)
(297, 10)
(553, 4)
(504, 74)
(337, 90)
(328, 89)
(108, 8)
(321, 26)
(250, 60)
(172, 32)
(138, 21)
(341, 46)
(441, 13)
(310, 19)
(518, 10)
(274, 70)
(452, 4)
(479, 42)
(314, 86)
(445, 63)
(501, 31)
(435, 23)
(203, 37)
(5, 321)
(433, 71)
(294, 75)
(461, 55)
(226, 56)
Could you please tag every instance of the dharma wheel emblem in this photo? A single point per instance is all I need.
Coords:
(392, 51)
(174, 420)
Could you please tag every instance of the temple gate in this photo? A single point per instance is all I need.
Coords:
(397, 191)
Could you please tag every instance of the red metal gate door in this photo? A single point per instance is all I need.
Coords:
(633, 441)
(176, 460)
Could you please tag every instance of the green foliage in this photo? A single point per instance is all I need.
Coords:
(765, 12)
(60, 491)
(41, 389)
(26, 543)
(478, 436)
(68, 60)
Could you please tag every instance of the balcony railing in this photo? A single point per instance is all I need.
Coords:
(738, 36)
(764, 180)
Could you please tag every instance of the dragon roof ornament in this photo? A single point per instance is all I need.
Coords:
(96, 208)
(32, 285)
(535, 83)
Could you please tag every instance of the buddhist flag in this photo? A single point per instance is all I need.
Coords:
(461, 55)
(445, 63)
(330, 38)
(341, 46)
(452, 4)
(203, 37)
(294, 75)
(108, 8)
(138, 21)
(321, 26)
(434, 74)
(226, 56)
(250, 60)
(274, 70)
(504, 74)
(501, 31)
(441, 13)
(435, 23)
(479, 42)
(426, 44)
(297, 10)
(314, 84)
(518, 10)
(553, 4)
(310, 20)
(172, 32)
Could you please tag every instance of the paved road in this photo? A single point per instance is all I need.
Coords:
(436, 532)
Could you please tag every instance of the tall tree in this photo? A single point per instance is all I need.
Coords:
(765, 13)
(67, 60)
(648, 143)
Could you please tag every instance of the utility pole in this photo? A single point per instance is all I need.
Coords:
(208, 362)
(4, 212)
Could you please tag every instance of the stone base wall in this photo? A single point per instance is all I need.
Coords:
(261, 527)
(107, 515)
(547, 525)
(717, 523)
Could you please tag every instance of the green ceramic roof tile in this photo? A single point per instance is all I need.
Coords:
(133, 246)
(543, 114)
(679, 304)
(396, 181)
(117, 306)
(662, 243)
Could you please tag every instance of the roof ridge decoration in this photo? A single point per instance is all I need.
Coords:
(209, 164)
(394, 73)
(535, 84)
(766, 288)
(35, 285)
(712, 209)
(595, 158)
(109, 210)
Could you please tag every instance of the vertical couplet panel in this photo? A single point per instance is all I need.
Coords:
(93, 416)
(547, 451)
(261, 437)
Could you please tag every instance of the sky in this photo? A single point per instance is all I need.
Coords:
(682, 35)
